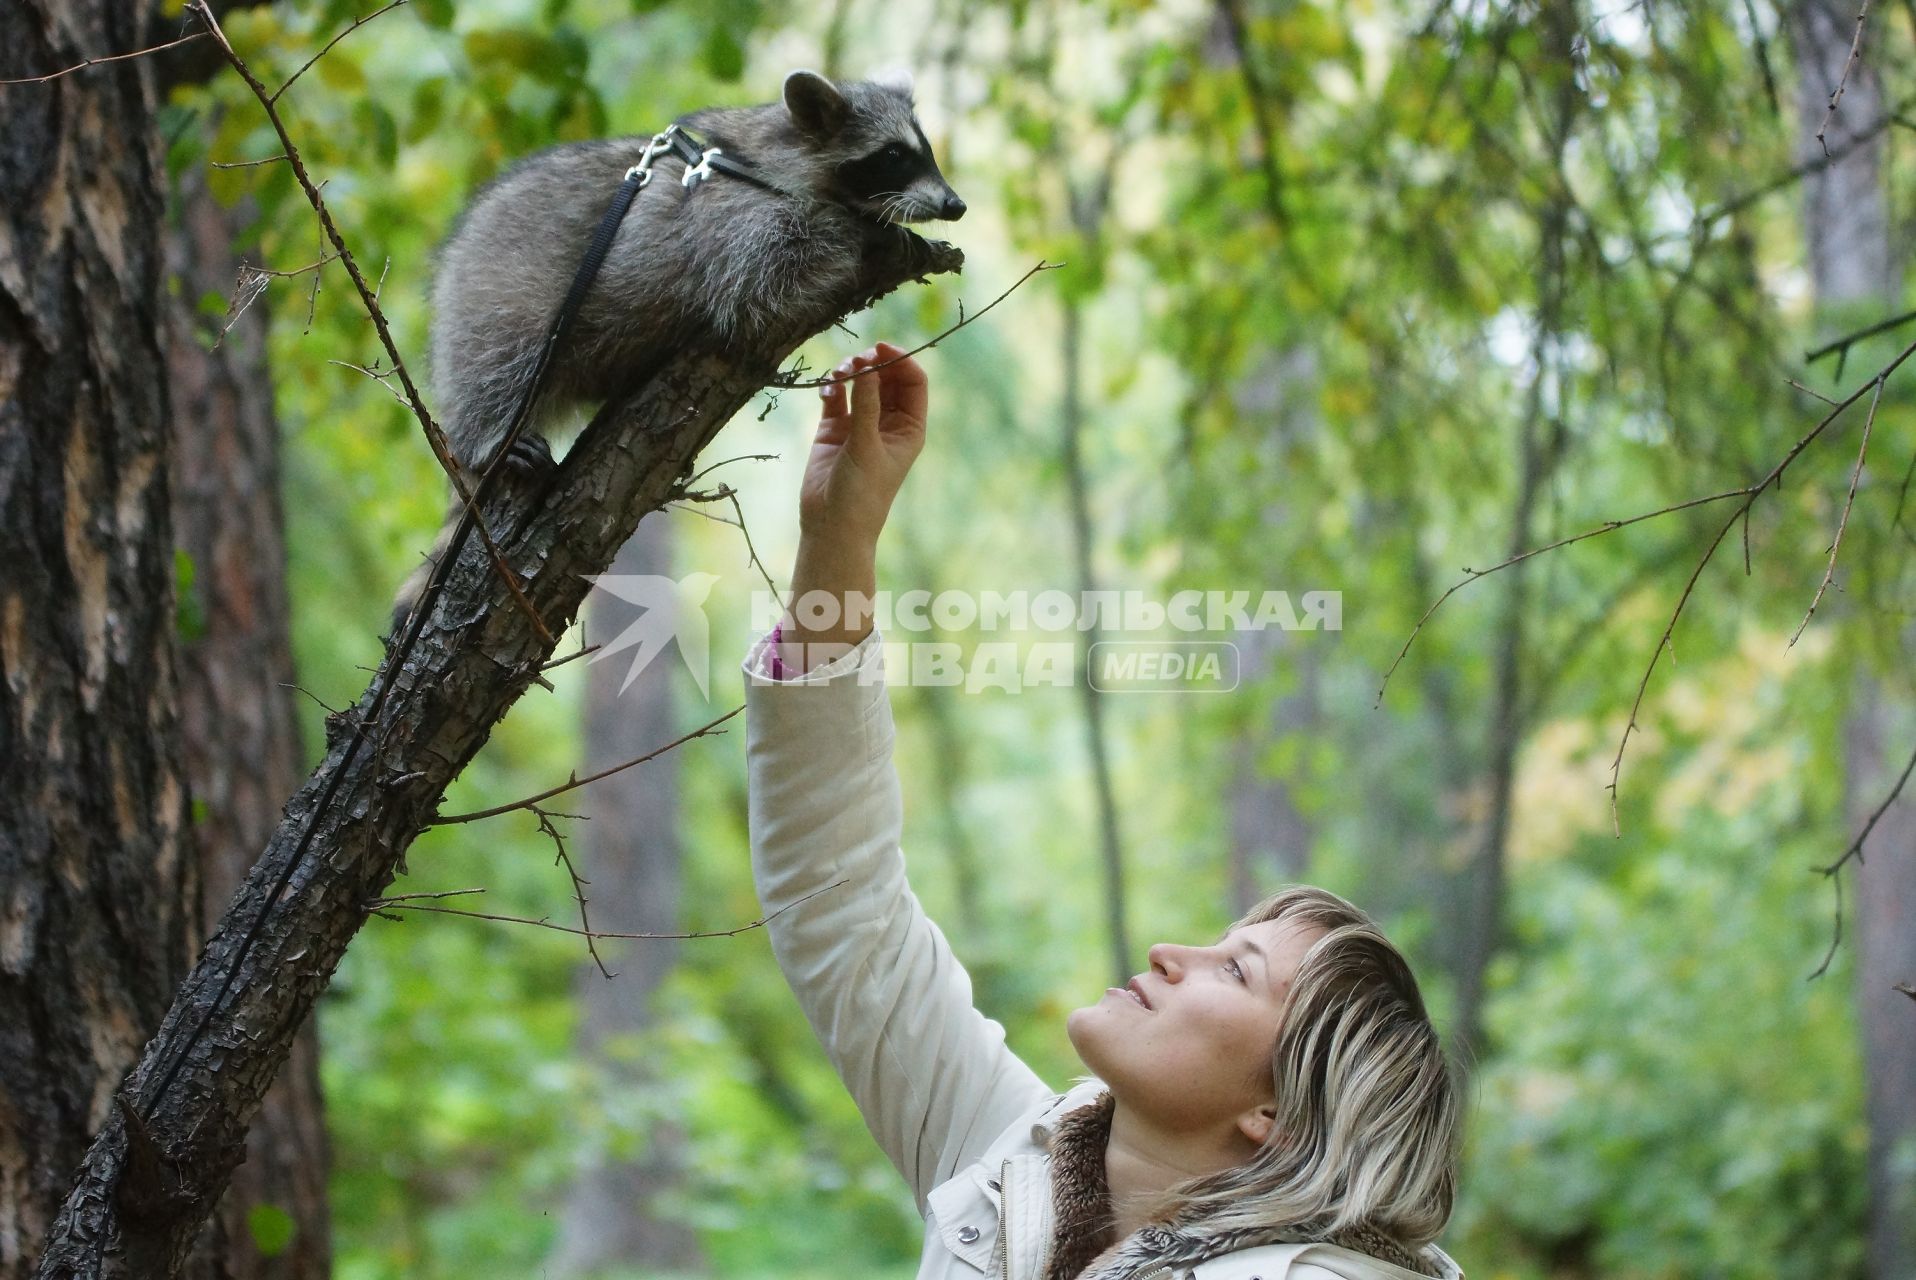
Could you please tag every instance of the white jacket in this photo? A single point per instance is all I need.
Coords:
(962, 1117)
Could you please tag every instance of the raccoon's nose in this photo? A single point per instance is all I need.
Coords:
(953, 209)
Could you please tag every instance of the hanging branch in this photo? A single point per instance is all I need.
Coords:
(403, 902)
(117, 57)
(1749, 494)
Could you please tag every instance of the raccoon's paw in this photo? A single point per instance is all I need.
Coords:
(529, 458)
(943, 256)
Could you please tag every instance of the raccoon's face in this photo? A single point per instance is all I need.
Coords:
(872, 156)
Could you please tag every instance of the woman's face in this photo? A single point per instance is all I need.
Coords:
(1187, 1045)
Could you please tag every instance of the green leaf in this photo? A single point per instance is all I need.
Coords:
(722, 55)
(271, 1227)
(435, 13)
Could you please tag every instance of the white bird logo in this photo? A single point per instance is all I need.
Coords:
(671, 611)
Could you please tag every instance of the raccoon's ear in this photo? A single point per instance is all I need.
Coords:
(815, 104)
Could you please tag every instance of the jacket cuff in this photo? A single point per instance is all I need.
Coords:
(761, 665)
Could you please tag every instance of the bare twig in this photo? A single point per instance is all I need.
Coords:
(1836, 936)
(1472, 575)
(357, 23)
(1841, 346)
(579, 882)
(1749, 495)
(117, 57)
(743, 457)
(932, 342)
(1836, 95)
(435, 436)
(375, 375)
(396, 904)
(570, 657)
(575, 781)
(1842, 523)
(245, 164)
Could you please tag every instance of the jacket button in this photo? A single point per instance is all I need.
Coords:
(967, 1235)
(993, 1184)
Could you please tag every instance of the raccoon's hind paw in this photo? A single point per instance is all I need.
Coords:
(530, 458)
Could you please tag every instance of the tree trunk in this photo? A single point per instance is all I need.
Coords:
(1479, 932)
(612, 1216)
(147, 1185)
(1270, 835)
(1096, 743)
(98, 885)
(236, 670)
(1855, 271)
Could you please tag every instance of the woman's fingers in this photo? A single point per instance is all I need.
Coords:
(906, 389)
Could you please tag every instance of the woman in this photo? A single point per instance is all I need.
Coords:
(1273, 1105)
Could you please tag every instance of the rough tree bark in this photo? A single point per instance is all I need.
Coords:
(145, 1188)
(612, 1215)
(1855, 269)
(98, 892)
(242, 749)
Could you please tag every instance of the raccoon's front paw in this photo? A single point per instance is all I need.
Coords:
(943, 256)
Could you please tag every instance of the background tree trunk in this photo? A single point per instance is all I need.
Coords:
(612, 1216)
(98, 886)
(1855, 271)
(1271, 836)
(242, 750)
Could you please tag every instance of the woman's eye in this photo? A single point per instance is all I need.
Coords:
(1237, 971)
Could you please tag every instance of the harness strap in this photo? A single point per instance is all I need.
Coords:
(700, 163)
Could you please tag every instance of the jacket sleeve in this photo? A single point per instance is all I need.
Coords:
(888, 1000)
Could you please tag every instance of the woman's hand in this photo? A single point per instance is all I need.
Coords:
(867, 439)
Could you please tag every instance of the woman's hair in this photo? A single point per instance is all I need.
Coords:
(1368, 1109)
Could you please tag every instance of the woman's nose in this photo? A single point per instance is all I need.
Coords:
(1166, 960)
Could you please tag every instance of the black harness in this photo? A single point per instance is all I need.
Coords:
(701, 162)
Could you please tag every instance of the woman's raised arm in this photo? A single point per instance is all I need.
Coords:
(887, 998)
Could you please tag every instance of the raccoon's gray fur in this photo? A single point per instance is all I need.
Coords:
(711, 266)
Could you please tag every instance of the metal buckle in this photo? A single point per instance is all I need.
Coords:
(643, 169)
(697, 173)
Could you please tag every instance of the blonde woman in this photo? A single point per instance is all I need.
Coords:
(1274, 1104)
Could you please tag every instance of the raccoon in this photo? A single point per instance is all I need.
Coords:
(713, 266)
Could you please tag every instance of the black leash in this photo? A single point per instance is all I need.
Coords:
(701, 162)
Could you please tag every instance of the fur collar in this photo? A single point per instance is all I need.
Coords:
(1085, 1230)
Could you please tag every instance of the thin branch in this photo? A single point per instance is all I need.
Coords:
(1842, 522)
(394, 904)
(1841, 346)
(934, 341)
(1471, 575)
(744, 457)
(435, 436)
(1836, 96)
(1836, 936)
(575, 781)
(357, 23)
(1855, 849)
(245, 164)
(579, 883)
(117, 57)
(570, 657)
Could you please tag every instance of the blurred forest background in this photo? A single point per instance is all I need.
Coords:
(1358, 293)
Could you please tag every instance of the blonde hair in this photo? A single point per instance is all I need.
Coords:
(1369, 1111)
